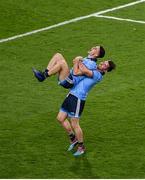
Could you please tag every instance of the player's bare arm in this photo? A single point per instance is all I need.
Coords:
(84, 70)
(77, 59)
(76, 70)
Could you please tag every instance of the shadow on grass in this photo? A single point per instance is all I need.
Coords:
(82, 168)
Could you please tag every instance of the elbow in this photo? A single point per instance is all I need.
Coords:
(90, 74)
(75, 72)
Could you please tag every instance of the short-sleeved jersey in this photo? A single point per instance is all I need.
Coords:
(82, 88)
(90, 64)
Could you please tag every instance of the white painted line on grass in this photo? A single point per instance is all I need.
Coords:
(119, 7)
(120, 19)
(44, 29)
(70, 21)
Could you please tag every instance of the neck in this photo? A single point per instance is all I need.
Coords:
(92, 58)
(102, 72)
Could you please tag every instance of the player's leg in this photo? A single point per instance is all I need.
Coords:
(77, 129)
(78, 107)
(62, 119)
(79, 135)
(56, 65)
(56, 57)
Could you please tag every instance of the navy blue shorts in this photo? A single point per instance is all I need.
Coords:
(67, 82)
(73, 106)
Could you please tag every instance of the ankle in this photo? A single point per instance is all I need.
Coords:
(72, 136)
(81, 144)
(45, 73)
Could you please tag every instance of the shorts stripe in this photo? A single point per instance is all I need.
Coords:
(73, 106)
(78, 107)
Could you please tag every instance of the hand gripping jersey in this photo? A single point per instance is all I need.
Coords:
(72, 79)
(90, 64)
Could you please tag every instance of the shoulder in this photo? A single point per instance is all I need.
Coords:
(97, 75)
(89, 64)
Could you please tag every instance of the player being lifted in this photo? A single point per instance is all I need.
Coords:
(80, 80)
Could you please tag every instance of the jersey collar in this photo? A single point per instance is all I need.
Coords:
(92, 59)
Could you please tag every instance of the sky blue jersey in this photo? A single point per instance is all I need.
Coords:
(82, 88)
(91, 65)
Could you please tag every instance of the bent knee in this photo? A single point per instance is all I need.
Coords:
(60, 118)
(59, 56)
(62, 63)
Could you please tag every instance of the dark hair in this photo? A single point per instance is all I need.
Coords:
(112, 66)
(102, 52)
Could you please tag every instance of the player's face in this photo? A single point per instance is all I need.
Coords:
(104, 65)
(94, 51)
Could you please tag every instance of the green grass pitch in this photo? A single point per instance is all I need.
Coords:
(32, 143)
